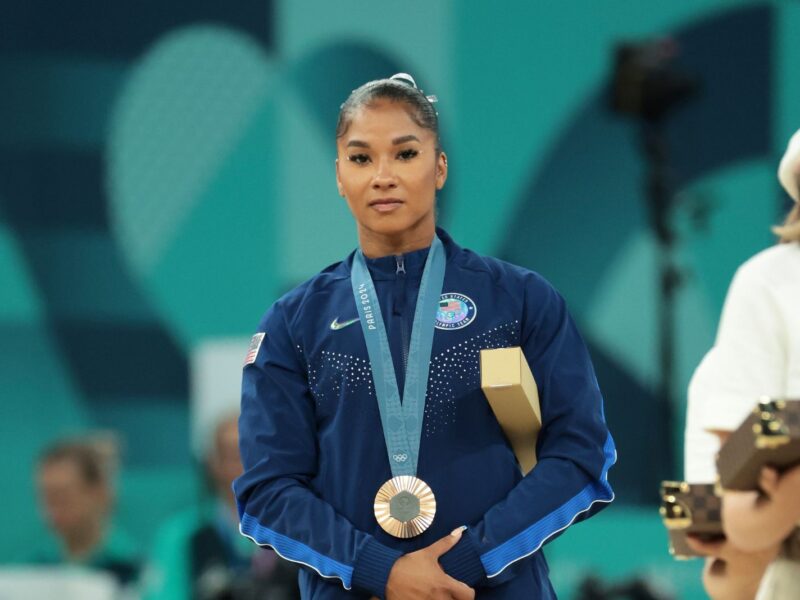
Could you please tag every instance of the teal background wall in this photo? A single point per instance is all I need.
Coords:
(167, 172)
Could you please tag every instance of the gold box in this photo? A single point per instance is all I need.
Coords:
(508, 384)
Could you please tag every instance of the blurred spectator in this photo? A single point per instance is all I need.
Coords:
(200, 554)
(75, 480)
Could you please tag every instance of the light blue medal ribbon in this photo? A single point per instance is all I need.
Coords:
(406, 500)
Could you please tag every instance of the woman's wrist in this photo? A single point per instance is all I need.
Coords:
(736, 575)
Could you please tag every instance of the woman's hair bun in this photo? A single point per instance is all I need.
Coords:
(405, 78)
(409, 81)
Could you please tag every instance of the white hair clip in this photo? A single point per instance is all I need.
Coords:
(405, 77)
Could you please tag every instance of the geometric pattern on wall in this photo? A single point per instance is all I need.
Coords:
(573, 220)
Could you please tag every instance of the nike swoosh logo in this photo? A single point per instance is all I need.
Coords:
(336, 326)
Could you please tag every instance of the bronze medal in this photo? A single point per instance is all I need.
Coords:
(405, 506)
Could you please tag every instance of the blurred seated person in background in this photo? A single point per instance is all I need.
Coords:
(75, 480)
(756, 353)
(200, 555)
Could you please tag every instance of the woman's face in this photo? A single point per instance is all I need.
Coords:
(388, 170)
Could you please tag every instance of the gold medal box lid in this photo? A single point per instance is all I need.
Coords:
(509, 386)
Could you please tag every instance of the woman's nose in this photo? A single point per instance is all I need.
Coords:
(384, 177)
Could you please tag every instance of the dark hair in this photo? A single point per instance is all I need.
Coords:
(95, 459)
(400, 87)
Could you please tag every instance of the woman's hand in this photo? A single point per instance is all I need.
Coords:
(783, 490)
(729, 573)
(754, 521)
(418, 575)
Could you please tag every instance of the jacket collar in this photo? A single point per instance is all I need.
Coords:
(386, 267)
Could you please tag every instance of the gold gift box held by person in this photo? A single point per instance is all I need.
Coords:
(509, 386)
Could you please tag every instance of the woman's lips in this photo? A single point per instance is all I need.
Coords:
(386, 205)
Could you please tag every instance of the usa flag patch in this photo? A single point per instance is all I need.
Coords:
(252, 351)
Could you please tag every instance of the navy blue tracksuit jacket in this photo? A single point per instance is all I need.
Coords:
(313, 448)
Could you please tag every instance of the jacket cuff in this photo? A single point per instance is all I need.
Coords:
(463, 562)
(371, 571)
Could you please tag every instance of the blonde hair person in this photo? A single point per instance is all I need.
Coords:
(757, 352)
(789, 176)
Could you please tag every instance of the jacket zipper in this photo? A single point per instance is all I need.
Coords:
(400, 288)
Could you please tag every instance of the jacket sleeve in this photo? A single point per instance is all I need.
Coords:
(574, 450)
(278, 447)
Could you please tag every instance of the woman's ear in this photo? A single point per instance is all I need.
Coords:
(441, 170)
(338, 180)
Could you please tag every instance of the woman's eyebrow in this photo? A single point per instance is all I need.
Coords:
(396, 141)
(405, 138)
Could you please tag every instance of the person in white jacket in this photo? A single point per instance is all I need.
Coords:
(756, 353)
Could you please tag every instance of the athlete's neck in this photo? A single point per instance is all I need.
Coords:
(376, 245)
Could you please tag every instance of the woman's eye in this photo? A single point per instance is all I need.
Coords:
(407, 154)
(359, 159)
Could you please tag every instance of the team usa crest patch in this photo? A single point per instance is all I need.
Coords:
(456, 311)
(252, 351)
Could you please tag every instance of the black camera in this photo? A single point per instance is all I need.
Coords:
(647, 82)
